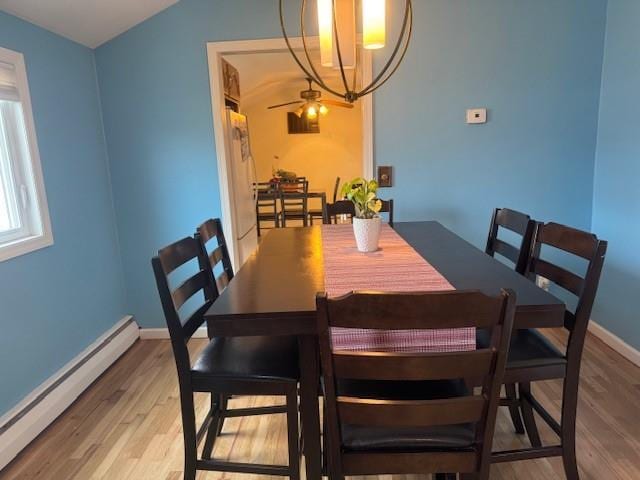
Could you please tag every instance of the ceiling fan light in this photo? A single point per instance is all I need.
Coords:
(373, 24)
(312, 113)
(323, 110)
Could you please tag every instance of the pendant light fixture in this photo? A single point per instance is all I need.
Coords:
(338, 32)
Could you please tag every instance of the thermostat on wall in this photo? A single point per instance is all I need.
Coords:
(477, 115)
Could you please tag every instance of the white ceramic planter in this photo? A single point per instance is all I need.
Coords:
(367, 233)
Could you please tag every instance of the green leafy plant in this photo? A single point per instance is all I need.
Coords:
(285, 175)
(363, 195)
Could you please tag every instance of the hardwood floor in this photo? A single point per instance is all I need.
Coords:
(127, 426)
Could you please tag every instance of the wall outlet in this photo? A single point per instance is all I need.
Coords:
(476, 115)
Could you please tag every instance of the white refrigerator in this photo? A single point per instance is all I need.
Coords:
(242, 177)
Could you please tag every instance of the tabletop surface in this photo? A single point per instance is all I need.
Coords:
(282, 277)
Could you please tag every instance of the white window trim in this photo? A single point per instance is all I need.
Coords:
(45, 238)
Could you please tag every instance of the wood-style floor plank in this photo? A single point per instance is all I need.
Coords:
(127, 426)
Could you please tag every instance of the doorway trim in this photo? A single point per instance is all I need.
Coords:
(215, 52)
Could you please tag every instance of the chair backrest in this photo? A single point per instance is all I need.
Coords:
(580, 244)
(335, 190)
(408, 311)
(387, 207)
(267, 194)
(341, 207)
(209, 230)
(293, 196)
(168, 260)
(517, 222)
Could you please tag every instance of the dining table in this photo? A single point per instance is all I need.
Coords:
(274, 293)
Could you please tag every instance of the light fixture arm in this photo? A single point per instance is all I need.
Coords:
(350, 94)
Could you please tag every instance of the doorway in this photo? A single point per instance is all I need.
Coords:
(341, 146)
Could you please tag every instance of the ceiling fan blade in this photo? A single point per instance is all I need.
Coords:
(285, 104)
(336, 103)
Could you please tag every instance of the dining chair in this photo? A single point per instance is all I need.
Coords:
(336, 187)
(341, 207)
(319, 213)
(294, 202)
(412, 413)
(267, 204)
(522, 225)
(534, 358)
(225, 366)
(518, 223)
(387, 207)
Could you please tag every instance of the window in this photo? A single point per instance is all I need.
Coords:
(24, 215)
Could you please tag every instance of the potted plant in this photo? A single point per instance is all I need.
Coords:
(366, 223)
(284, 178)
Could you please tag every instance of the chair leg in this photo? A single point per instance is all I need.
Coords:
(528, 416)
(514, 410)
(293, 438)
(214, 426)
(224, 401)
(189, 434)
(568, 426)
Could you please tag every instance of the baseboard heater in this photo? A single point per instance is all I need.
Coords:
(21, 425)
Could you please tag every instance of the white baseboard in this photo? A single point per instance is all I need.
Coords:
(23, 423)
(615, 343)
(163, 333)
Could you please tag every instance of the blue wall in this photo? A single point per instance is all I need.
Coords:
(58, 300)
(535, 65)
(616, 206)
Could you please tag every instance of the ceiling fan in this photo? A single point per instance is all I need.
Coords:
(312, 104)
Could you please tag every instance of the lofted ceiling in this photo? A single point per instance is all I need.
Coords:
(267, 70)
(89, 22)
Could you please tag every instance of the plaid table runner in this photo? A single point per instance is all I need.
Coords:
(395, 267)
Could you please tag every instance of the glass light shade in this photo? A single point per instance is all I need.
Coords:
(373, 24)
(325, 30)
(345, 14)
(345, 22)
(323, 110)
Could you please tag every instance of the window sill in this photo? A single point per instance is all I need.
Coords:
(24, 246)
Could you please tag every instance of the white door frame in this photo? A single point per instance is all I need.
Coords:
(215, 52)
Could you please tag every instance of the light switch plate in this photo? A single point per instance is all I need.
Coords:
(385, 176)
(476, 115)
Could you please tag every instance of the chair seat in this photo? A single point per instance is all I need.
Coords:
(316, 212)
(529, 348)
(249, 358)
(294, 213)
(359, 438)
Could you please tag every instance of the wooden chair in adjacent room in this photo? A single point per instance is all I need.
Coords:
(518, 223)
(319, 214)
(294, 203)
(268, 196)
(225, 366)
(534, 358)
(413, 413)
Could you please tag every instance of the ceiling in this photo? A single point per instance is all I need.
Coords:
(89, 22)
(265, 70)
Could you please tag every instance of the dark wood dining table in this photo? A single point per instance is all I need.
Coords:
(274, 294)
